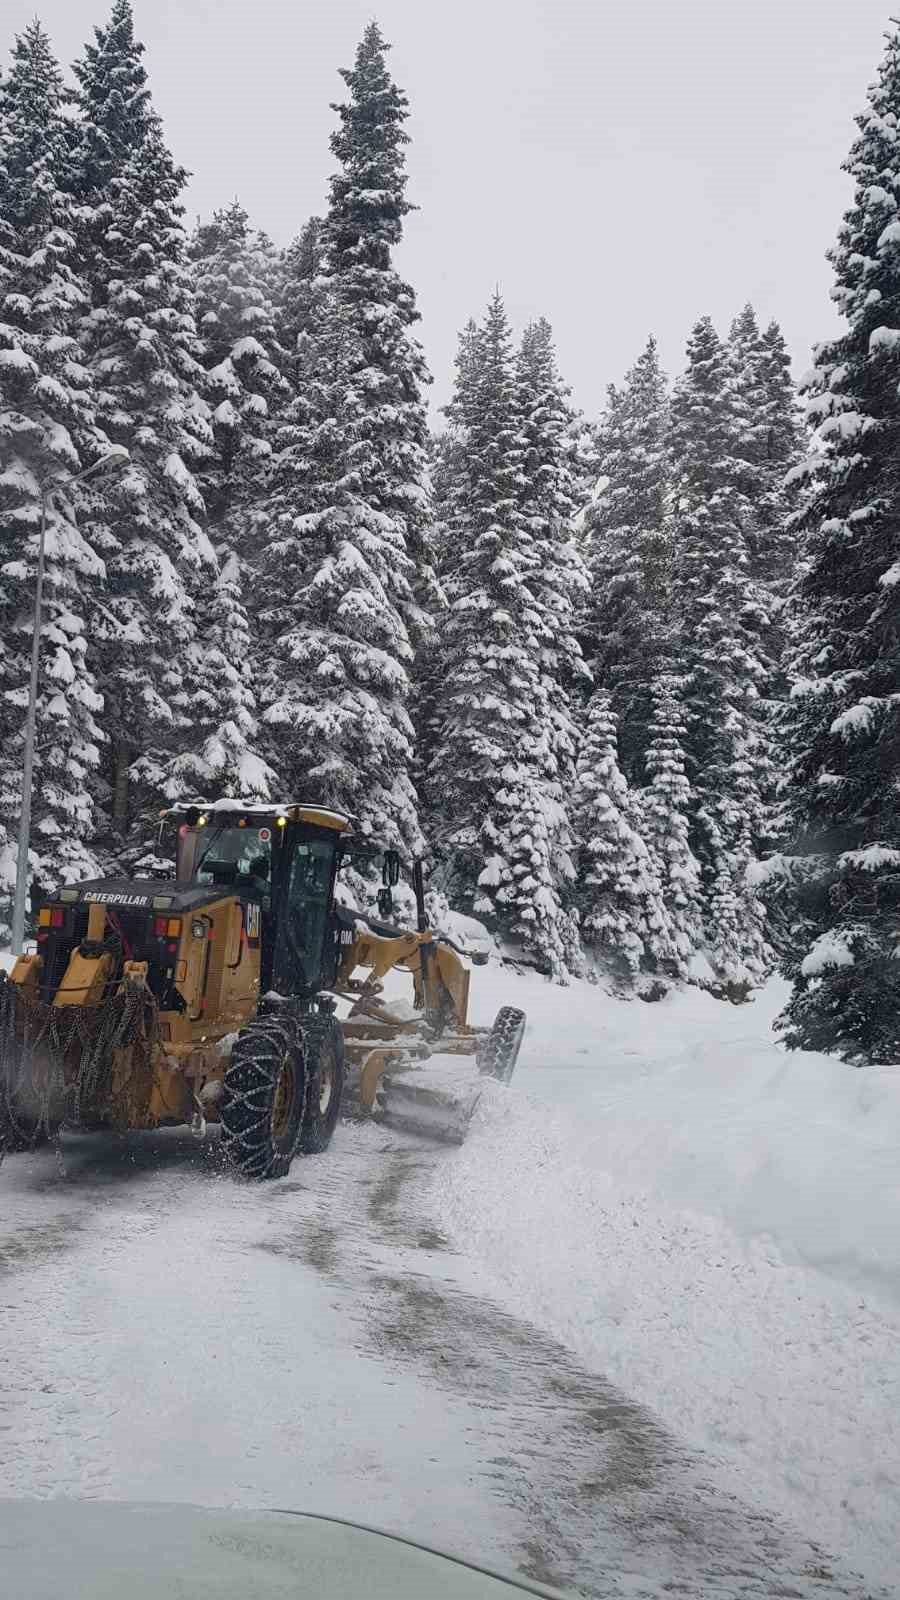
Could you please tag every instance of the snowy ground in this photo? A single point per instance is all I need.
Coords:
(713, 1223)
(517, 1351)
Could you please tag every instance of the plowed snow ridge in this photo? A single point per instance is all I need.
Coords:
(714, 1224)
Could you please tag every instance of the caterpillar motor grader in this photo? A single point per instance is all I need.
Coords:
(231, 994)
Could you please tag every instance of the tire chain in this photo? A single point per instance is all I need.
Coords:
(127, 1018)
(243, 1146)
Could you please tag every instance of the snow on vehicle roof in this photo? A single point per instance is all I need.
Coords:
(258, 808)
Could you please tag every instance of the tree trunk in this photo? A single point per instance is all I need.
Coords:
(121, 764)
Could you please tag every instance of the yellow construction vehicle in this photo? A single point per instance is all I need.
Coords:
(231, 994)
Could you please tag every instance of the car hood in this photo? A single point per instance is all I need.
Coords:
(98, 1550)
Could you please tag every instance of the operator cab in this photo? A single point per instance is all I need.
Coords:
(282, 860)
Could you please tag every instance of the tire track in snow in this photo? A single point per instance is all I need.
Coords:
(315, 1343)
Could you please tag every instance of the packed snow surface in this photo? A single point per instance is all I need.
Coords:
(712, 1222)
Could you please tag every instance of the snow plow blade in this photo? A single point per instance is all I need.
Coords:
(431, 1101)
(431, 1087)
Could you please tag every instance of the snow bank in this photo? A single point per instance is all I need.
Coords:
(713, 1223)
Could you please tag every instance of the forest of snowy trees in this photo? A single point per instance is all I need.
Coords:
(635, 679)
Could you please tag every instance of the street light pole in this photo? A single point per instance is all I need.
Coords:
(113, 459)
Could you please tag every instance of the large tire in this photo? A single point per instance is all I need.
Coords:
(264, 1098)
(324, 1045)
(20, 1134)
(500, 1051)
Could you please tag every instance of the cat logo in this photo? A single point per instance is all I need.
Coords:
(253, 922)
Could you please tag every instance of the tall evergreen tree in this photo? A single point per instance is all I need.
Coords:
(503, 819)
(627, 619)
(623, 918)
(140, 341)
(728, 759)
(768, 447)
(348, 504)
(666, 806)
(845, 710)
(299, 285)
(232, 271)
(549, 501)
(47, 431)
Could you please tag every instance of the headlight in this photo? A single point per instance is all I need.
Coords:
(198, 929)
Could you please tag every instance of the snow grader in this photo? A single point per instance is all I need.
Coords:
(232, 994)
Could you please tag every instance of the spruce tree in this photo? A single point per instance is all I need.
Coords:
(140, 341)
(503, 816)
(47, 432)
(623, 918)
(768, 448)
(627, 619)
(559, 579)
(729, 765)
(348, 506)
(298, 285)
(844, 731)
(666, 806)
(231, 273)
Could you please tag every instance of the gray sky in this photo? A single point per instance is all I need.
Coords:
(619, 166)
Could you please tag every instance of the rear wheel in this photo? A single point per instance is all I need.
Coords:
(324, 1046)
(264, 1097)
(500, 1051)
(20, 1133)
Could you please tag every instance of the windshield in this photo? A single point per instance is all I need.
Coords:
(233, 855)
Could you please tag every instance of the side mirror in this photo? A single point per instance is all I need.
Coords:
(390, 869)
(385, 903)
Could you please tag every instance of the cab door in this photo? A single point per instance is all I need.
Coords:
(304, 913)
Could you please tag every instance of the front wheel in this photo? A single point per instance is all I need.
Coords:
(264, 1098)
(500, 1051)
(324, 1045)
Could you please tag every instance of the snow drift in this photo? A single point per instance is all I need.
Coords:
(715, 1224)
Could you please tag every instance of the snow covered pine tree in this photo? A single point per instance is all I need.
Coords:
(348, 506)
(627, 621)
(844, 724)
(140, 342)
(47, 431)
(233, 271)
(719, 658)
(623, 918)
(504, 829)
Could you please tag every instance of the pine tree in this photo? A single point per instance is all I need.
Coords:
(116, 112)
(627, 618)
(768, 447)
(385, 408)
(844, 719)
(231, 274)
(729, 766)
(140, 341)
(666, 806)
(559, 579)
(47, 431)
(348, 503)
(299, 285)
(623, 918)
(504, 825)
(224, 755)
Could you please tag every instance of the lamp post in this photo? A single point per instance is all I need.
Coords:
(112, 460)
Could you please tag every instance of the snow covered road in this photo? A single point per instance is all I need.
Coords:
(167, 1335)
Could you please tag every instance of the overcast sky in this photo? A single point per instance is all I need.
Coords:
(619, 166)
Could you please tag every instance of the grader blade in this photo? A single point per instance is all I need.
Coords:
(436, 1101)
